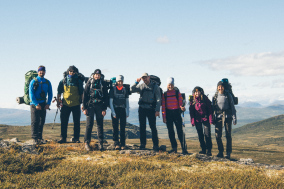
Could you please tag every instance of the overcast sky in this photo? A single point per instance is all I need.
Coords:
(196, 42)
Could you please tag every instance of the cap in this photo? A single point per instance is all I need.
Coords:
(97, 71)
(171, 80)
(145, 75)
(120, 78)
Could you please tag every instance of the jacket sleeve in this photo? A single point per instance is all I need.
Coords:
(135, 88)
(191, 112)
(50, 93)
(180, 100)
(111, 103)
(163, 106)
(233, 109)
(158, 98)
(105, 96)
(32, 93)
(209, 109)
(86, 96)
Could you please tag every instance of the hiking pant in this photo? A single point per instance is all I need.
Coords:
(150, 114)
(96, 109)
(174, 117)
(37, 120)
(120, 117)
(207, 144)
(218, 133)
(64, 116)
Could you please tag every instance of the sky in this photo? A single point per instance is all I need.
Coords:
(196, 42)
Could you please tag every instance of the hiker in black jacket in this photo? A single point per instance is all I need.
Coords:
(95, 102)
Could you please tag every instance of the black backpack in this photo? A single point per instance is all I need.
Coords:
(228, 89)
(80, 75)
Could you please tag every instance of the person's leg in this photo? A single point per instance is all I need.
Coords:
(142, 123)
(208, 140)
(199, 129)
(42, 115)
(89, 125)
(122, 117)
(218, 134)
(171, 131)
(181, 135)
(34, 122)
(115, 128)
(228, 129)
(100, 124)
(152, 122)
(76, 112)
(64, 117)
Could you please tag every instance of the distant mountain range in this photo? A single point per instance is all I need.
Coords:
(245, 115)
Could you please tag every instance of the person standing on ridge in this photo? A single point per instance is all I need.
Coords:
(119, 104)
(72, 88)
(95, 102)
(39, 89)
(172, 105)
(224, 114)
(149, 107)
(201, 117)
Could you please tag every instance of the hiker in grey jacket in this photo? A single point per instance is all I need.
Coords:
(149, 107)
(224, 113)
(119, 105)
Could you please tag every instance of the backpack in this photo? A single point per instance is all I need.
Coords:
(177, 97)
(228, 88)
(157, 81)
(29, 76)
(80, 76)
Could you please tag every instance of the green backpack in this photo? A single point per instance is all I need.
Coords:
(30, 75)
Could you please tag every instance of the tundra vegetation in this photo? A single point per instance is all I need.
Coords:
(70, 166)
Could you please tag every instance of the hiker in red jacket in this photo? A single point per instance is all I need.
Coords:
(201, 114)
(172, 105)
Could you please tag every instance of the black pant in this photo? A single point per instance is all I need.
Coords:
(120, 116)
(174, 116)
(207, 144)
(37, 120)
(150, 114)
(218, 133)
(97, 109)
(64, 116)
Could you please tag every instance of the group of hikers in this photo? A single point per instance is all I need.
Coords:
(96, 96)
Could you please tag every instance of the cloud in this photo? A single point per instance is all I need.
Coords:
(260, 64)
(163, 39)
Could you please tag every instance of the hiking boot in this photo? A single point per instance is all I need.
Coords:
(184, 152)
(117, 147)
(122, 147)
(202, 152)
(75, 140)
(209, 153)
(62, 140)
(87, 147)
(228, 156)
(34, 142)
(220, 155)
(174, 150)
(156, 148)
(142, 147)
(101, 147)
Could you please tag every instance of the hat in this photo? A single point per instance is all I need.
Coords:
(145, 75)
(120, 78)
(220, 83)
(171, 80)
(97, 71)
(197, 88)
(72, 68)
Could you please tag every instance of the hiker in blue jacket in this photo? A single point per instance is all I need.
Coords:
(39, 89)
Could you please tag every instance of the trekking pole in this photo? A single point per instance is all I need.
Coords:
(58, 108)
(183, 128)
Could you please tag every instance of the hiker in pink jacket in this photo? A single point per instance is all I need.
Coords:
(201, 116)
